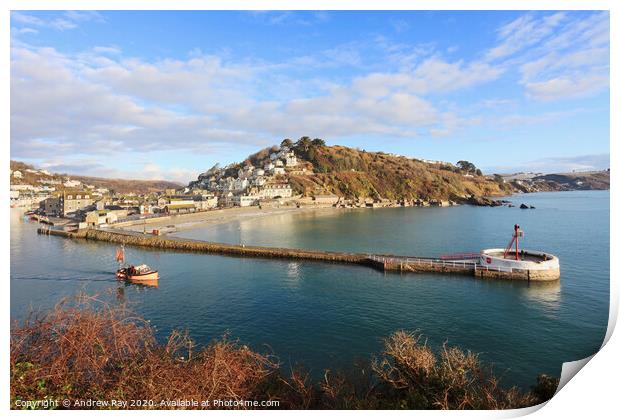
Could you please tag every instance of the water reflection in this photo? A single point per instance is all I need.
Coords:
(293, 272)
(545, 294)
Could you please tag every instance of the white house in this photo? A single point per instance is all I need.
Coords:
(277, 190)
(245, 200)
(240, 184)
(17, 174)
(22, 187)
(70, 183)
(291, 159)
(50, 181)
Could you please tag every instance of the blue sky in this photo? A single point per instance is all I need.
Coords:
(167, 94)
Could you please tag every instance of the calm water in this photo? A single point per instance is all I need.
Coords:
(328, 316)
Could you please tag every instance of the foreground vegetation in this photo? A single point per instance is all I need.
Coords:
(90, 349)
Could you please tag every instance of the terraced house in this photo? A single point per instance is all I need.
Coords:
(67, 203)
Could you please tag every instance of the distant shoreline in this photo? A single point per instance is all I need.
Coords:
(189, 221)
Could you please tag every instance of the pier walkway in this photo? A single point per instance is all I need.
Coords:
(465, 265)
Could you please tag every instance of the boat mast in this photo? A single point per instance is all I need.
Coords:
(120, 255)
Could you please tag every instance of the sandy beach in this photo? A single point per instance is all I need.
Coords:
(188, 221)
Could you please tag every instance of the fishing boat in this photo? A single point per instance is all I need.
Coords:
(140, 274)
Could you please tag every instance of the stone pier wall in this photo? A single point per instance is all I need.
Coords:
(390, 263)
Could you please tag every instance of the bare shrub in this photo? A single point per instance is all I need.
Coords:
(86, 348)
(413, 377)
(90, 349)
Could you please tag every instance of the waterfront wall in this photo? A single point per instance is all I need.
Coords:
(146, 221)
(162, 242)
(381, 262)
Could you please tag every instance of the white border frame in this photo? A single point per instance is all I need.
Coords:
(591, 394)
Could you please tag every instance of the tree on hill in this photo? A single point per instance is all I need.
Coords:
(318, 142)
(287, 143)
(466, 166)
(303, 144)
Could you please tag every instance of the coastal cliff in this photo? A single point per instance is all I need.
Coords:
(359, 176)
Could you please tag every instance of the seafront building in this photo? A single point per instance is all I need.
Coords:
(75, 202)
(66, 203)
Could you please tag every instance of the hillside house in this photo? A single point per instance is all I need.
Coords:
(290, 160)
(245, 200)
(276, 191)
(71, 183)
(205, 202)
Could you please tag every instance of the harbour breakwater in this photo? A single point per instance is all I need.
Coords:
(393, 263)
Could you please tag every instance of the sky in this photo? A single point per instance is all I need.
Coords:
(167, 94)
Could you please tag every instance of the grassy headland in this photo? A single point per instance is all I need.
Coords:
(358, 175)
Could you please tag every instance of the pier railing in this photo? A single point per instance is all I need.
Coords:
(432, 262)
(438, 262)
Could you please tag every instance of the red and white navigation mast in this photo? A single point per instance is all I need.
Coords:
(515, 240)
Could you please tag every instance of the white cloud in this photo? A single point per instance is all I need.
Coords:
(433, 75)
(510, 121)
(523, 32)
(84, 16)
(24, 30)
(568, 86)
(61, 22)
(106, 50)
(289, 17)
(20, 17)
(94, 103)
(570, 62)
